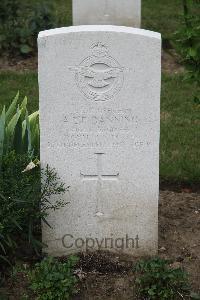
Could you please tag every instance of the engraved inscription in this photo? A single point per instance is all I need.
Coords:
(99, 76)
(101, 120)
(107, 128)
(86, 140)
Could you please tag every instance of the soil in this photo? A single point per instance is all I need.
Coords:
(170, 63)
(110, 277)
(18, 64)
(180, 187)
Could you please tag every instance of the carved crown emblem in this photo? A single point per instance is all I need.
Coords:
(99, 50)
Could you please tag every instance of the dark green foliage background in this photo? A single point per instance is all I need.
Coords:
(20, 22)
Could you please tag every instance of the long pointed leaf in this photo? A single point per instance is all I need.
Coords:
(29, 132)
(2, 132)
(5, 259)
(17, 140)
(2, 197)
(12, 109)
(23, 108)
(33, 120)
(3, 248)
(24, 137)
(36, 139)
(16, 223)
(10, 129)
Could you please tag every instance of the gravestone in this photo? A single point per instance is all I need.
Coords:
(107, 12)
(99, 117)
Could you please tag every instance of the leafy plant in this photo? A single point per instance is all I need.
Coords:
(25, 192)
(20, 22)
(51, 279)
(156, 280)
(18, 130)
(188, 39)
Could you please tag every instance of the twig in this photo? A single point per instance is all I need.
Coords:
(180, 295)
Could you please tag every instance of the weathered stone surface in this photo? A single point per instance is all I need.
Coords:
(99, 117)
(107, 12)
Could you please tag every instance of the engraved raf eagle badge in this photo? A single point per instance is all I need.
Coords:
(99, 76)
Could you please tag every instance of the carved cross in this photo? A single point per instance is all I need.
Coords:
(99, 177)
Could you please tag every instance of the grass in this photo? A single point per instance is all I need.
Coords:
(26, 83)
(180, 122)
(162, 16)
(180, 131)
(64, 12)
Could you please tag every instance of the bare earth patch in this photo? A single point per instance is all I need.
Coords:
(170, 64)
(18, 64)
(179, 231)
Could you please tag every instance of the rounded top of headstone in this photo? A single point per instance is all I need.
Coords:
(99, 28)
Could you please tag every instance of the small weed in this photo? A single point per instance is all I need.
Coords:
(156, 280)
(51, 279)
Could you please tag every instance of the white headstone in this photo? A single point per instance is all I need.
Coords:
(107, 12)
(99, 118)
